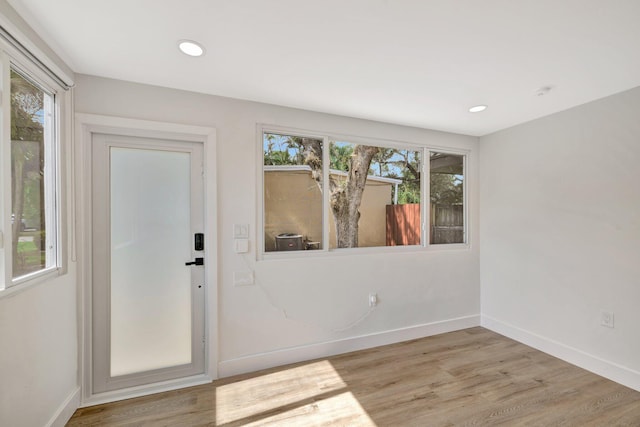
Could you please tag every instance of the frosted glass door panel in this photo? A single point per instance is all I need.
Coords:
(150, 313)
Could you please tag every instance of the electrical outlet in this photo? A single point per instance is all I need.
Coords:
(373, 300)
(241, 246)
(606, 318)
(243, 278)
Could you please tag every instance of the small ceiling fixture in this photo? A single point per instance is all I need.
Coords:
(477, 108)
(191, 48)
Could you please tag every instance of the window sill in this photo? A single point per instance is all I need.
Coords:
(388, 250)
(29, 281)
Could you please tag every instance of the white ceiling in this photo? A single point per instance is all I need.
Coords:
(413, 62)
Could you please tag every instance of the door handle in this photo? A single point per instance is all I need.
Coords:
(197, 261)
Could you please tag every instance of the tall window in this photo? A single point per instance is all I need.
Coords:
(324, 193)
(447, 198)
(33, 197)
(293, 178)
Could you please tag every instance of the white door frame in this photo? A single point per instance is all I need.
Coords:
(85, 126)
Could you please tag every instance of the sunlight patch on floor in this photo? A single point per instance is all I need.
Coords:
(284, 390)
(340, 410)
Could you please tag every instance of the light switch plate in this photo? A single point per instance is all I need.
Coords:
(240, 231)
(241, 246)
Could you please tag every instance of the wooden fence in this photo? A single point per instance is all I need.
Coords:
(447, 224)
(403, 224)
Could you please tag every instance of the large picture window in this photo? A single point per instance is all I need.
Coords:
(323, 193)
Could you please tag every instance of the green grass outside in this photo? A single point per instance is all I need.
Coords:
(26, 247)
(30, 257)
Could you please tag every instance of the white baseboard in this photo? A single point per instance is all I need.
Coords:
(610, 370)
(66, 410)
(145, 390)
(260, 361)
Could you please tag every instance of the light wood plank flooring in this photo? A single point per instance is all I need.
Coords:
(472, 377)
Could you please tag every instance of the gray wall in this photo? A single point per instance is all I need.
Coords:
(298, 306)
(38, 326)
(560, 226)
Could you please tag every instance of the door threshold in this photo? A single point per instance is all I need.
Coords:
(144, 390)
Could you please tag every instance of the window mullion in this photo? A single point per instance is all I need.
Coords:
(5, 177)
(50, 184)
(425, 184)
(465, 207)
(326, 193)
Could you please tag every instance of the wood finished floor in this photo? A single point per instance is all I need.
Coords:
(472, 377)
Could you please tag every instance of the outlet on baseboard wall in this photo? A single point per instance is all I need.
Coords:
(373, 300)
(606, 318)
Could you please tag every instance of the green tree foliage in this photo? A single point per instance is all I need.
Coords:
(340, 156)
(276, 151)
(409, 163)
(446, 189)
(446, 179)
(381, 161)
(446, 186)
(277, 158)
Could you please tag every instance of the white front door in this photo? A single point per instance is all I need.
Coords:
(147, 290)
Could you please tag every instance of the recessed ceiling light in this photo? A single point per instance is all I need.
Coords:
(477, 108)
(191, 48)
(543, 90)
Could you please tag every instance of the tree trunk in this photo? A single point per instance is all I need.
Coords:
(312, 155)
(346, 196)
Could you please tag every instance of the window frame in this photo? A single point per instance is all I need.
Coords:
(465, 208)
(260, 241)
(328, 138)
(12, 59)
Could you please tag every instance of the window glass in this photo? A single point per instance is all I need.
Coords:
(293, 174)
(32, 196)
(447, 198)
(365, 194)
(375, 196)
